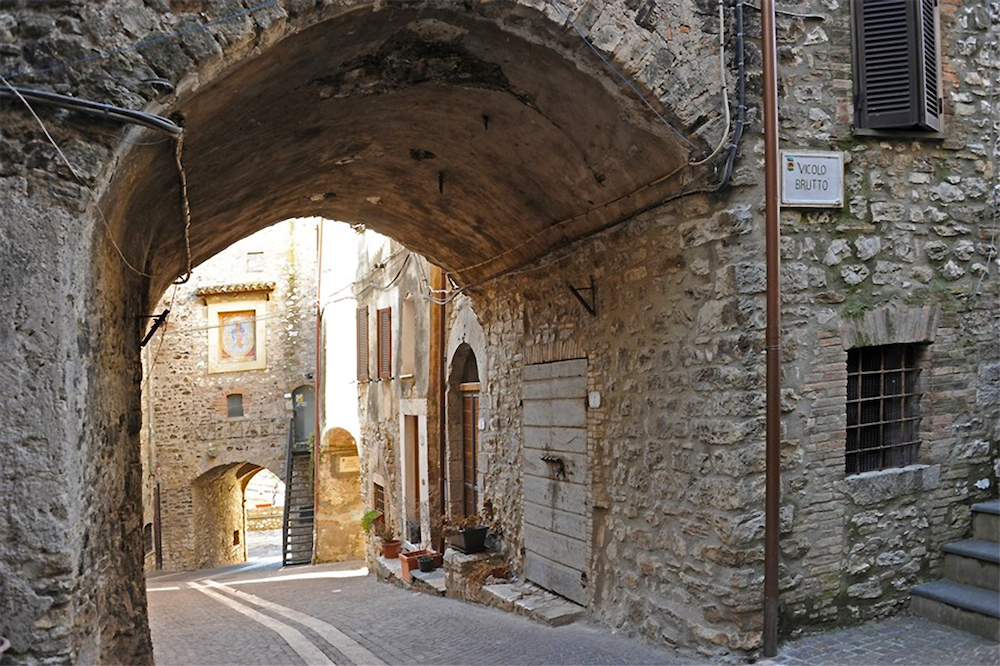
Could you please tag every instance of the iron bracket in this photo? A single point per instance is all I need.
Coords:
(592, 305)
(157, 320)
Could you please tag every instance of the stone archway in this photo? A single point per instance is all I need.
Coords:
(489, 125)
(218, 514)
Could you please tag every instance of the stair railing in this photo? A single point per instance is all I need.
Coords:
(288, 490)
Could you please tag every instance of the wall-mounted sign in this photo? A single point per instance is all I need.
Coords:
(349, 464)
(812, 178)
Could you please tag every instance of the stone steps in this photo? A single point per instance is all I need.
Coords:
(968, 598)
(534, 603)
(973, 562)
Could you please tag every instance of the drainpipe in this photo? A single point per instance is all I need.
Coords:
(317, 382)
(772, 455)
(438, 329)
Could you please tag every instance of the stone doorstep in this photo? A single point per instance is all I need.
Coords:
(522, 598)
(534, 603)
(431, 582)
(391, 571)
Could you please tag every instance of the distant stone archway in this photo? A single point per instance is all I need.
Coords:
(488, 124)
(218, 514)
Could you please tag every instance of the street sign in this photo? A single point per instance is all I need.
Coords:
(812, 178)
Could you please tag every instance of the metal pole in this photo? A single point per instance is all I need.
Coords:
(317, 383)
(772, 474)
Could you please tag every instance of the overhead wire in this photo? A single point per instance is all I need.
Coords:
(100, 109)
(185, 208)
(159, 344)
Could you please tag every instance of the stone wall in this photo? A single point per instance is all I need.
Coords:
(187, 425)
(218, 511)
(676, 344)
(677, 347)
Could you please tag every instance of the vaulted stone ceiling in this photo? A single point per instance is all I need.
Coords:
(482, 144)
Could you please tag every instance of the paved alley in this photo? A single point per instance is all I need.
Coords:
(261, 614)
(339, 614)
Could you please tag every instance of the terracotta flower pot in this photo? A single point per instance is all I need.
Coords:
(390, 549)
(408, 562)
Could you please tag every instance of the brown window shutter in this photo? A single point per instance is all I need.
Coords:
(896, 64)
(362, 325)
(385, 344)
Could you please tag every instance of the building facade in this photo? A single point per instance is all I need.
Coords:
(608, 400)
(226, 377)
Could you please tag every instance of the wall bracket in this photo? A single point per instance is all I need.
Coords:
(157, 321)
(591, 306)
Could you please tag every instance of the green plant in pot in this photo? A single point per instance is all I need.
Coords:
(374, 520)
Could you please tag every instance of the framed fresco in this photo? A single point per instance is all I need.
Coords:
(236, 332)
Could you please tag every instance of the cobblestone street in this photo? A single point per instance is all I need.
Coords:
(262, 614)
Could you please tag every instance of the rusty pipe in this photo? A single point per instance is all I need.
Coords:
(772, 454)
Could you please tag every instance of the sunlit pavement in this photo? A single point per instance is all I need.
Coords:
(261, 613)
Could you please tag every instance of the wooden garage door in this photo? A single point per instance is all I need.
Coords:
(556, 473)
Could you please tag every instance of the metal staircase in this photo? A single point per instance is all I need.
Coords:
(969, 596)
(297, 523)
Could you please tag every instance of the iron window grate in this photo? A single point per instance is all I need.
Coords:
(883, 407)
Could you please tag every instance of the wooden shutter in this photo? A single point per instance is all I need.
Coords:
(385, 344)
(896, 64)
(362, 325)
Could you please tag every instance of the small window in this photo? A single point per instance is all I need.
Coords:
(362, 348)
(378, 498)
(385, 344)
(147, 538)
(236, 537)
(883, 407)
(897, 64)
(255, 262)
(234, 405)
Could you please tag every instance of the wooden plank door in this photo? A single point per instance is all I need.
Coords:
(556, 474)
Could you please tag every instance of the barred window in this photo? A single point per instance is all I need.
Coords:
(883, 407)
(378, 501)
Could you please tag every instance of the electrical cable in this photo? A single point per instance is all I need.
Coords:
(159, 345)
(725, 87)
(817, 17)
(78, 177)
(741, 96)
(185, 208)
(100, 109)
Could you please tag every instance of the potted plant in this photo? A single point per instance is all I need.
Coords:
(375, 520)
(467, 534)
(426, 563)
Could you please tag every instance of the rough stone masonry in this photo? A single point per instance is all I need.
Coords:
(675, 348)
